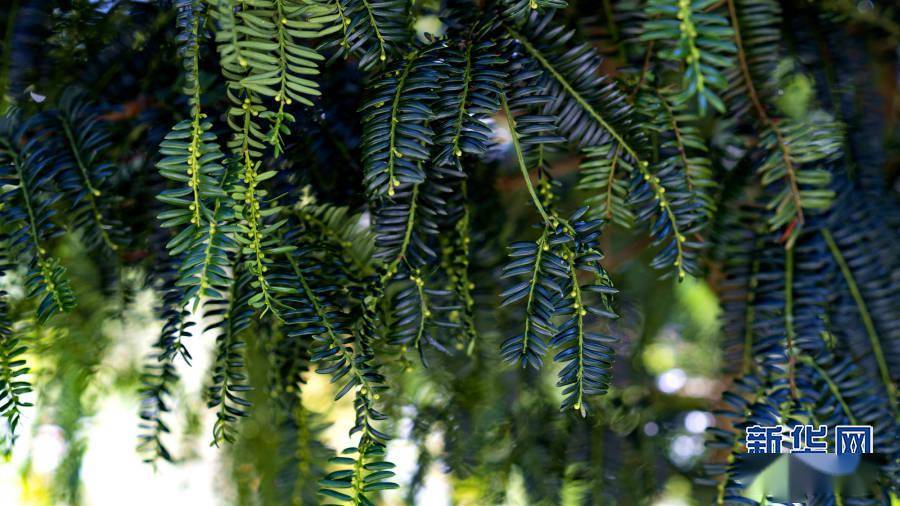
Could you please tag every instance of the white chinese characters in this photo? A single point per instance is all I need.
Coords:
(809, 439)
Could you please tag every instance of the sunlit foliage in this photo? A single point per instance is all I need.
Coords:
(476, 229)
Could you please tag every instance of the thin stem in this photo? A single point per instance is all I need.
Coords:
(863, 314)
(580, 312)
(423, 310)
(93, 193)
(679, 141)
(520, 156)
(407, 236)
(610, 182)
(194, 151)
(207, 255)
(573, 93)
(749, 316)
(764, 118)
(789, 318)
(642, 166)
(358, 480)
(281, 97)
(329, 328)
(224, 359)
(462, 271)
(832, 386)
(208, 250)
(648, 55)
(345, 23)
(395, 106)
(251, 206)
(467, 79)
(371, 13)
(39, 252)
(531, 287)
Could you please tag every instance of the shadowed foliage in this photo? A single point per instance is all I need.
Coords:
(500, 225)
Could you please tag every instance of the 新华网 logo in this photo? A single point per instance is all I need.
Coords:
(848, 439)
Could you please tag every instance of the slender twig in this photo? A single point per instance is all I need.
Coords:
(789, 318)
(863, 314)
(521, 158)
(790, 172)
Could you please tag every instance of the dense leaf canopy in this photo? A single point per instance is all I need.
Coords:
(470, 216)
